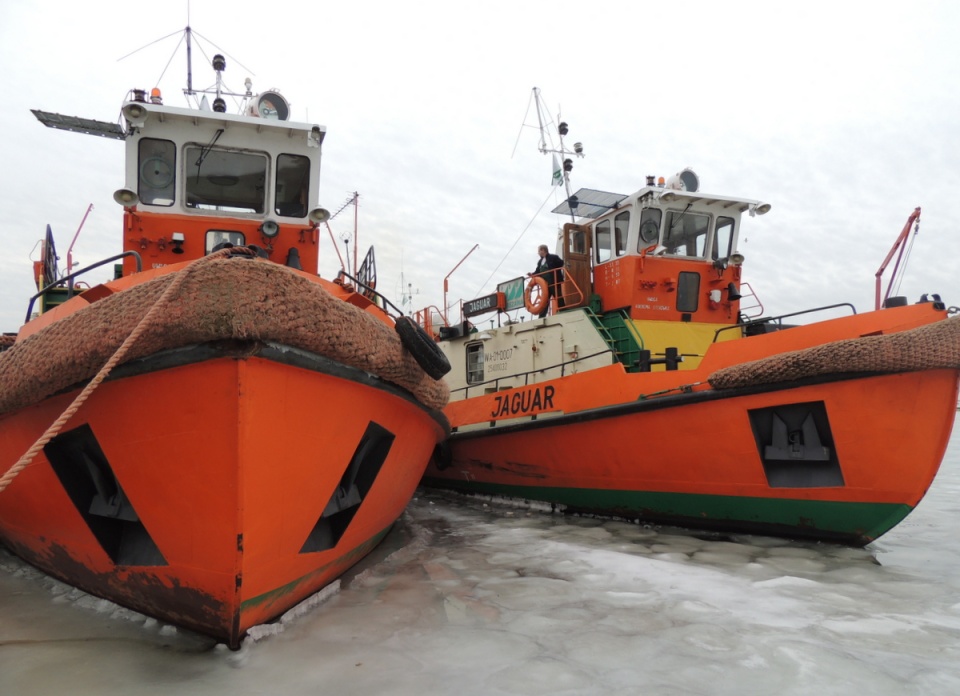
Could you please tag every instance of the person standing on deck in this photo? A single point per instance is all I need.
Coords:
(550, 268)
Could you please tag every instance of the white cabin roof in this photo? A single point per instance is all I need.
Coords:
(590, 204)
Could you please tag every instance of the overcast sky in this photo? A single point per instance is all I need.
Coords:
(843, 115)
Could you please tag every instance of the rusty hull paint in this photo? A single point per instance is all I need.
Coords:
(154, 593)
(159, 595)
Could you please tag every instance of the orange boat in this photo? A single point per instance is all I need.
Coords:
(656, 390)
(216, 433)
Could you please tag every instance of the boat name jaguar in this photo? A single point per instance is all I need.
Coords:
(522, 403)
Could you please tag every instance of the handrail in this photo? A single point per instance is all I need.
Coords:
(367, 287)
(779, 319)
(632, 328)
(567, 278)
(69, 278)
(423, 318)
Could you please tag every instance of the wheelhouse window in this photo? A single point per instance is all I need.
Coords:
(723, 239)
(650, 219)
(602, 245)
(293, 184)
(474, 363)
(621, 224)
(157, 167)
(577, 242)
(225, 180)
(216, 238)
(686, 234)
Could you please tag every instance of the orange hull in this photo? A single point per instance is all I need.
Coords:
(666, 447)
(252, 475)
(260, 429)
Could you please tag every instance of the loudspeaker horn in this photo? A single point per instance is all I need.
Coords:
(319, 215)
(126, 197)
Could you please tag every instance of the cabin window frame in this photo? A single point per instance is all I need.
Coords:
(473, 355)
(214, 237)
(294, 205)
(731, 238)
(231, 161)
(645, 240)
(700, 239)
(607, 234)
(157, 171)
(621, 229)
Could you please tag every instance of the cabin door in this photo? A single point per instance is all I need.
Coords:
(577, 285)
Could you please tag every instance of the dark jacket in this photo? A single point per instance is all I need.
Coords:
(550, 268)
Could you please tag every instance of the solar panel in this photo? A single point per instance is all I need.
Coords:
(589, 203)
(79, 125)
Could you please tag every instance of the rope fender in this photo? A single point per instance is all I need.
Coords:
(211, 299)
(929, 347)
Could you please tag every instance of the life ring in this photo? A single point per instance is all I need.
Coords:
(422, 347)
(535, 306)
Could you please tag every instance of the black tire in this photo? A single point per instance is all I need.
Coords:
(422, 347)
(442, 456)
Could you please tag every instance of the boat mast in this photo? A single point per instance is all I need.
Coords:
(189, 63)
(565, 154)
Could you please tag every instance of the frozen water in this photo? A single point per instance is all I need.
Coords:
(477, 597)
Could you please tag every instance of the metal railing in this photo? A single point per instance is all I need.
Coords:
(69, 278)
(778, 320)
(344, 274)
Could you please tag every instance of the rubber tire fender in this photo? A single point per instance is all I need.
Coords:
(422, 347)
(541, 304)
(442, 457)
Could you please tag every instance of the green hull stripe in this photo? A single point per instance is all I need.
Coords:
(350, 558)
(849, 522)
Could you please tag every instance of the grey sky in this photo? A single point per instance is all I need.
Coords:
(842, 115)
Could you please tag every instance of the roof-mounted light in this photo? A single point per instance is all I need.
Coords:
(270, 105)
(684, 180)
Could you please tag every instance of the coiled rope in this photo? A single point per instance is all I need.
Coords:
(114, 360)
